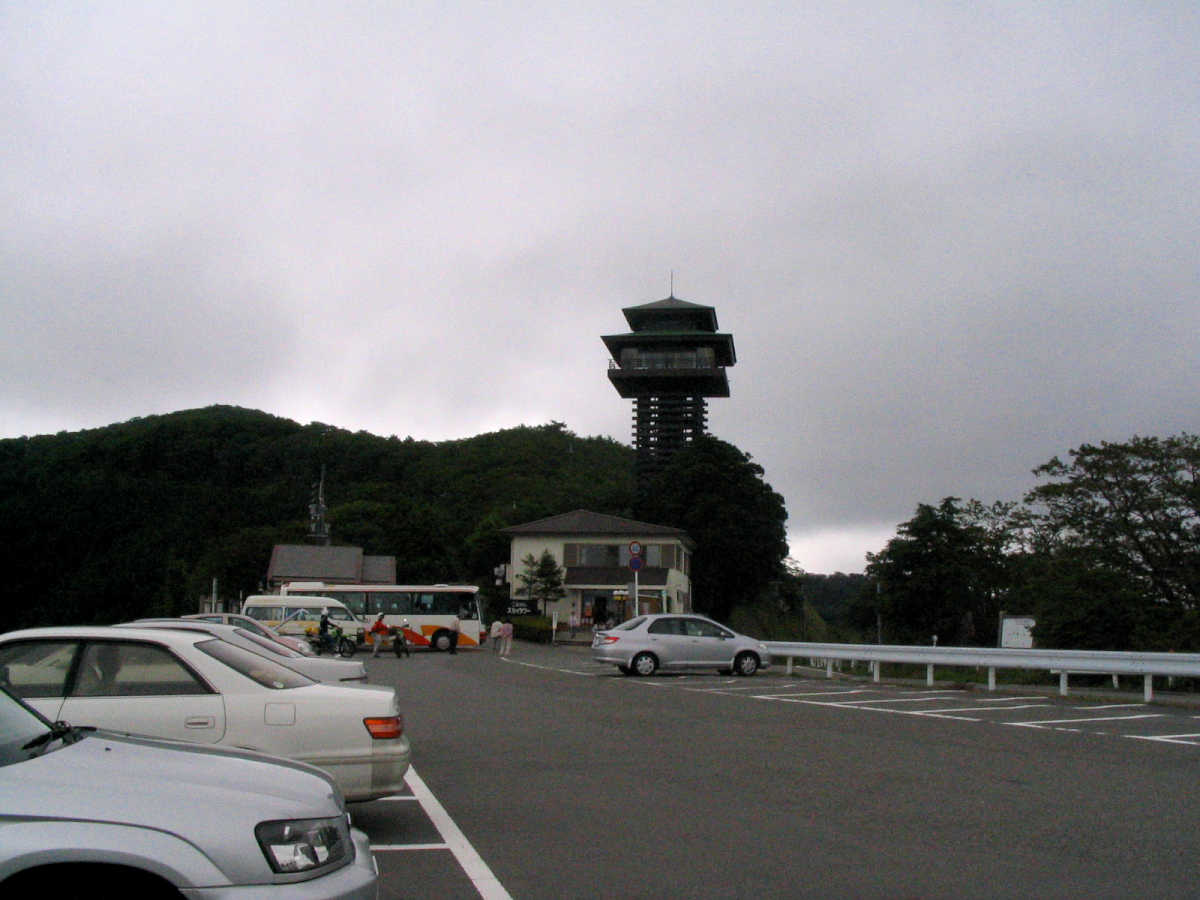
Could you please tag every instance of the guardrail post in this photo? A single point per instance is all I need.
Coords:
(1062, 683)
(877, 666)
(929, 675)
(1148, 687)
(789, 666)
(829, 668)
(991, 678)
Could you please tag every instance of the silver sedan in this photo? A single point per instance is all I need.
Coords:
(318, 668)
(674, 642)
(92, 813)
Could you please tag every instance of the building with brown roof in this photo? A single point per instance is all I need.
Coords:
(335, 565)
(595, 551)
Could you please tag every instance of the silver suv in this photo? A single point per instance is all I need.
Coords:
(674, 642)
(90, 813)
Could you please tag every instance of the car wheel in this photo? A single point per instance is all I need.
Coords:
(644, 664)
(441, 641)
(745, 664)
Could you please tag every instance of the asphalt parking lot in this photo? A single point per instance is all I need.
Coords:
(531, 762)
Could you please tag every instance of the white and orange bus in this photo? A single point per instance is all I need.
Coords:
(425, 611)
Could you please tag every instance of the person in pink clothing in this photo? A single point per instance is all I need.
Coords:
(506, 638)
(494, 635)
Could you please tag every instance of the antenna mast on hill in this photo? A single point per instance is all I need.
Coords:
(318, 528)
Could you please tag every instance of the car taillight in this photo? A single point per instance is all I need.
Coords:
(385, 728)
(608, 639)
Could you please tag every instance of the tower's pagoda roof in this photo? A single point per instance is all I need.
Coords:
(671, 314)
(669, 323)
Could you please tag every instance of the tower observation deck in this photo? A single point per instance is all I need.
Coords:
(671, 361)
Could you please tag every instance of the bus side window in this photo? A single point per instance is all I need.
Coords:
(449, 603)
(356, 601)
(394, 603)
(422, 603)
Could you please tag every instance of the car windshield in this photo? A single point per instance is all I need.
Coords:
(19, 726)
(259, 669)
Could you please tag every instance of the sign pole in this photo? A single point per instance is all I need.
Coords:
(635, 563)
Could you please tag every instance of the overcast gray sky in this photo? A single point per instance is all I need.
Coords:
(951, 240)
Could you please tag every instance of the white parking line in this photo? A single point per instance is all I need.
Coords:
(1045, 722)
(1166, 738)
(889, 700)
(1008, 699)
(810, 694)
(394, 848)
(942, 712)
(517, 662)
(456, 842)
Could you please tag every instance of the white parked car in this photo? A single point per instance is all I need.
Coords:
(90, 813)
(299, 644)
(191, 686)
(318, 668)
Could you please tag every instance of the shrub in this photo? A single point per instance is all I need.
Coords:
(532, 628)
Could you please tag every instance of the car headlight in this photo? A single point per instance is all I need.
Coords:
(300, 845)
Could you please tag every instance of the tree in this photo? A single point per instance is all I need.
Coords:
(542, 580)
(1134, 508)
(1079, 603)
(714, 492)
(943, 574)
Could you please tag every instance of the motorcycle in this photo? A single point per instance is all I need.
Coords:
(334, 641)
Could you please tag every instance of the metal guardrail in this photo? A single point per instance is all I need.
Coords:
(1063, 662)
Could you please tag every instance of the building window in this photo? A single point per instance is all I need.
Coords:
(609, 556)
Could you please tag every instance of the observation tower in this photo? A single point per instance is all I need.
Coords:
(671, 361)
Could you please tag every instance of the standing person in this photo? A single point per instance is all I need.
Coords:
(455, 631)
(378, 630)
(494, 635)
(574, 622)
(506, 636)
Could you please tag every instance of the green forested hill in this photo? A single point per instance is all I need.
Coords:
(139, 517)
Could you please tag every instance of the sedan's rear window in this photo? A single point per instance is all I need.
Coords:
(631, 624)
(268, 646)
(257, 668)
(666, 626)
